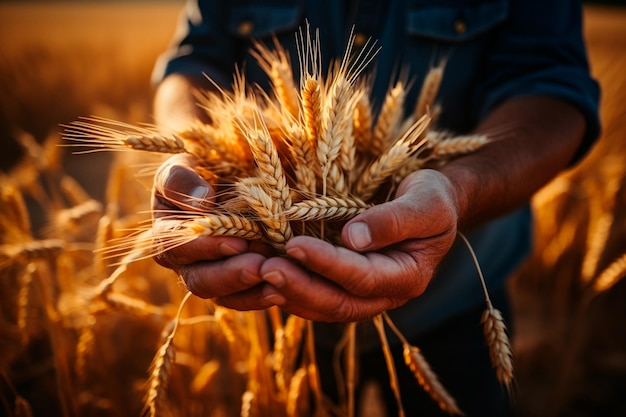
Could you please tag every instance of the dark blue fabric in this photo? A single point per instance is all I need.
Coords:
(495, 50)
(506, 48)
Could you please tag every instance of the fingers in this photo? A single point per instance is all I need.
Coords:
(211, 279)
(178, 186)
(314, 298)
(423, 208)
(386, 274)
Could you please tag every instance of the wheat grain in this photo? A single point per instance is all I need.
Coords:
(611, 275)
(388, 118)
(362, 122)
(73, 190)
(429, 90)
(161, 364)
(33, 250)
(159, 375)
(277, 66)
(85, 347)
(326, 208)
(131, 305)
(428, 380)
(499, 346)
(223, 225)
(96, 133)
(459, 145)
(287, 349)
(205, 377)
(390, 161)
(298, 404)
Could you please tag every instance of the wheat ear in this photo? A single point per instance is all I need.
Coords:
(277, 66)
(391, 160)
(424, 374)
(96, 133)
(388, 118)
(298, 395)
(611, 275)
(429, 90)
(498, 342)
(326, 208)
(161, 364)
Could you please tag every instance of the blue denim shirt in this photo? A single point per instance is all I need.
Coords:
(495, 50)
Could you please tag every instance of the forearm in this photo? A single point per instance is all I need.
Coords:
(534, 139)
(175, 103)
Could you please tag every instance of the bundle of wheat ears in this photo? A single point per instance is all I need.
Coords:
(302, 158)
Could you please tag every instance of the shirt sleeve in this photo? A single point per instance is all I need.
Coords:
(541, 51)
(201, 47)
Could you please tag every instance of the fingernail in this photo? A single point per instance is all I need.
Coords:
(359, 235)
(248, 277)
(227, 250)
(197, 195)
(273, 296)
(276, 278)
(297, 253)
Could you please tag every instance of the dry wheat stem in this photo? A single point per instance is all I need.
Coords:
(351, 367)
(391, 368)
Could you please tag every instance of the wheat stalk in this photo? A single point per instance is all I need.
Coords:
(391, 368)
(494, 328)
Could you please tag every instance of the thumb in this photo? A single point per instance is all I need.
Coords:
(380, 226)
(177, 186)
(423, 208)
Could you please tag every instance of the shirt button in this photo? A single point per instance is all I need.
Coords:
(460, 27)
(359, 39)
(245, 27)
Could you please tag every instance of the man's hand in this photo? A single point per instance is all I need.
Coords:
(222, 268)
(391, 253)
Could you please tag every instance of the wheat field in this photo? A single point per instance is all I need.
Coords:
(74, 343)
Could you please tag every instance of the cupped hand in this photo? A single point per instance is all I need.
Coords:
(225, 269)
(390, 255)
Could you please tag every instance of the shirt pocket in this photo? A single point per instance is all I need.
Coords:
(262, 20)
(455, 21)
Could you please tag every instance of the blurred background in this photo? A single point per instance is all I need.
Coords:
(63, 60)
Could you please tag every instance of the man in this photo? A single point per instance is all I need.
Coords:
(516, 68)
